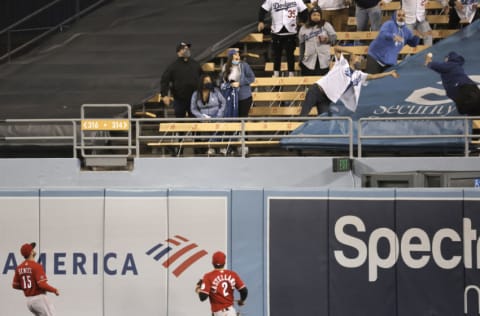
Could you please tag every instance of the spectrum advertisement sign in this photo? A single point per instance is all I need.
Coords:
(393, 252)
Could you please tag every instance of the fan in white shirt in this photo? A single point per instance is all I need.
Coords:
(416, 18)
(343, 82)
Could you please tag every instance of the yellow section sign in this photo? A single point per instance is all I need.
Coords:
(105, 125)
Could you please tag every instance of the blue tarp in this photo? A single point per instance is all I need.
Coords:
(417, 93)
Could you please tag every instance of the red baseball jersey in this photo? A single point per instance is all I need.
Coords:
(219, 286)
(31, 278)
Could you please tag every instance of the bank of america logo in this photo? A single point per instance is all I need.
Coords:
(177, 248)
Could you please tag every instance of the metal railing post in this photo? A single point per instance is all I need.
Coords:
(466, 136)
(137, 137)
(359, 139)
(74, 126)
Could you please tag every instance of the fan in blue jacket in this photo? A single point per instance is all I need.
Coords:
(393, 35)
(458, 86)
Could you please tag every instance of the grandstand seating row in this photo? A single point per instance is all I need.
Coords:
(226, 133)
(433, 19)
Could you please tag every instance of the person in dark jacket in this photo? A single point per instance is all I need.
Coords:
(181, 77)
(393, 35)
(458, 86)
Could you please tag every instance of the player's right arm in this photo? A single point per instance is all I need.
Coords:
(16, 281)
(200, 289)
(243, 295)
(47, 287)
(242, 289)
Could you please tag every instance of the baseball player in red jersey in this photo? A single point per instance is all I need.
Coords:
(218, 285)
(32, 280)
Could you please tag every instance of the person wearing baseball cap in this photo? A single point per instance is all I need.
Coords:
(30, 277)
(182, 45)
(315, 39)
(221, 301)
(458, 85)
(180, 79)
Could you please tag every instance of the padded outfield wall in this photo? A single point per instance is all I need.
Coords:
(331, 252)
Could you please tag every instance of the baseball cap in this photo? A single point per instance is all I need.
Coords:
(218, 258)
(315, 9)
(181, 45)
(27, 248)
(232, 51)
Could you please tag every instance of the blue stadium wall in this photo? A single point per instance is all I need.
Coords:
(123, 243)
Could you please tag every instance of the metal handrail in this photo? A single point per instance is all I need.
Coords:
(465, 135)
(243, 134)
(141, 126)
(44, 34)
(72, 137)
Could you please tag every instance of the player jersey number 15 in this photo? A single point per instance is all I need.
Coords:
(27, 282)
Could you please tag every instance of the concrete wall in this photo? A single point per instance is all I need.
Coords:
(264, 172)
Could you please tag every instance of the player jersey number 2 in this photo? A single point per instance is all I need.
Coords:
(27, 282)
(225, 286)
(292, 13)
